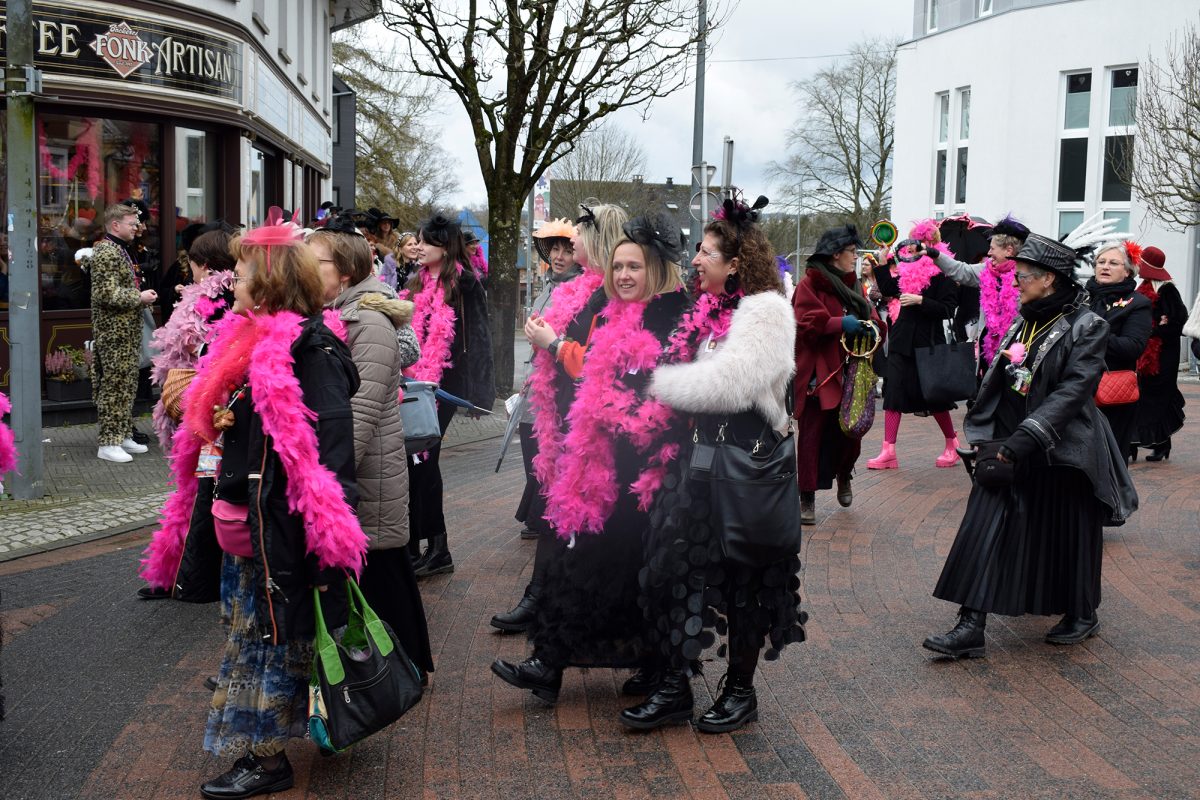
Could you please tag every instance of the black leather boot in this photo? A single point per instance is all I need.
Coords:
(1073, 630)
(670, 703)
(965, 640)
(643, 682)
(247, 778)
(1161, 451)
(436, 559)
(533, 674)
(522, 616)
(845, 494)
(808, 508)
(736, 705)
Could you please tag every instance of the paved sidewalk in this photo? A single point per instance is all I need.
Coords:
(106, 698)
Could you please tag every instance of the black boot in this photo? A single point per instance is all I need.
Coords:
(736, 705)
(845, 494)
(436, 559)
(671, 702)
(1073, 630)
(415, 555)
(1160, 451)
(643, 682)
(808, 508)
(533, 674)
(965, 640)
(520, 618)
(247, 778)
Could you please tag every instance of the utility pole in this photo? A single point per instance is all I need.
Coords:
(799, 210)
(698, 185)
(24, 302)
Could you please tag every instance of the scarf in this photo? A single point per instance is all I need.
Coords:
(569, 301)
(915, 277)
(999, 298)
(1047, 308)
(1106, 295)
(8, 445)
(1148, 361)
(851, 300)
(258, 349)
(433, 324)
(583, 492)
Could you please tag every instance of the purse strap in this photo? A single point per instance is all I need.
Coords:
(363, 617)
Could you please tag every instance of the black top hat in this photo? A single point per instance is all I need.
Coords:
(1047, 253)
(834, 241)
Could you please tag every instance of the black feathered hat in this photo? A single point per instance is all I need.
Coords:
(658, 232)
(1050, 254)
(834, 241)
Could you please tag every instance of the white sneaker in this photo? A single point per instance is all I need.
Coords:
(113, 452)
(130, 446)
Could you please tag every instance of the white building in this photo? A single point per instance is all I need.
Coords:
(1017, 105)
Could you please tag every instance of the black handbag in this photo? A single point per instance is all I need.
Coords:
(946, 372)
(990, 472)
(753, 494)
(360, 684)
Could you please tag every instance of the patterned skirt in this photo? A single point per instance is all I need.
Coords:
(262, 694)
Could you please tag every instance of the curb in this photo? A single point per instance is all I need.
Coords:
(82, 538)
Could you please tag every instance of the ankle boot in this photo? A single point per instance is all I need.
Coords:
(671, 702)
(965, 640)
(643, 682)
(521, 617)
(808, 508)
(533, 674)
(736, 705)
(845, 493)
(436, 559)
(886, 458)
(949, 456)
(1160, 451)
(415, 554)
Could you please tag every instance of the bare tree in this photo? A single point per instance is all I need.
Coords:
(1165, 171)
(533, 76)
(400, 167)
(602, 165)
(841, 147)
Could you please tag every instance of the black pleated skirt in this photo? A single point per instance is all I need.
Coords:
(1123, 421)
(1159, 413)
(1032, 548)
(390, 587)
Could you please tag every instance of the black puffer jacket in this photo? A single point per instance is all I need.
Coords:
(471, 374)
(1061, 415)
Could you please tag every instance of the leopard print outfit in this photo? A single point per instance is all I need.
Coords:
(117, 335)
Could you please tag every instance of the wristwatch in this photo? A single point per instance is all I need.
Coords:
(552, 348)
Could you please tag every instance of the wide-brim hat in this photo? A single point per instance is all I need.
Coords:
(1047, 253)
(544, 238)
(835, 240)
(378, 216)
(1150, 267)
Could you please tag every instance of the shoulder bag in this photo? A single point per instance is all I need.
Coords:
(1118, 388)
(752, 489)
(418, 414)
(856, 413)
(946, 372)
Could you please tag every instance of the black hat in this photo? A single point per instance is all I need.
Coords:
(1047, 253)
(375, 216)
(140, 205)
(469, 236)
(834, 241)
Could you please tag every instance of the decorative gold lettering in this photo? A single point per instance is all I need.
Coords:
(46, 43)
(70, 48)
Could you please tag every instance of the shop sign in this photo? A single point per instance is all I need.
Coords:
(131, 49)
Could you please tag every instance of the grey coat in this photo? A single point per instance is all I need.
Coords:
(1061, 414)
(372, 315)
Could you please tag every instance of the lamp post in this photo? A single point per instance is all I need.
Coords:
(698, 119)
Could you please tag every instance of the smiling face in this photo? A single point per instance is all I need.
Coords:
(1034, 283)
(410, 249)
(712, 268)
(242, 300)
(629, 272)
(1000, 253)
(1110, 266)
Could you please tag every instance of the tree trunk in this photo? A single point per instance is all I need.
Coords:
(504, 228)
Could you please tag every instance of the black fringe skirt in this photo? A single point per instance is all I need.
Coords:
(1032, 548)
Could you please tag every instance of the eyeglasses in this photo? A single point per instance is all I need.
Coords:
(1025, 277)
(241, 279)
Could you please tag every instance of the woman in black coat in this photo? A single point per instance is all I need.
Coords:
(1160, 407)
(1114, 297)
(1030, 541)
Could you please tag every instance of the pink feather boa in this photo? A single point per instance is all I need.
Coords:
(569, 301)
(585, 490)
(433, 324)
(8, 445)
(915, 277)
(1000, 300)
(258, 349)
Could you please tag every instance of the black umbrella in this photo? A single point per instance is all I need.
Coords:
(967, 237)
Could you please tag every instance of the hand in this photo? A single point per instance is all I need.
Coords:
(1163, 320)
(179, 288)
(149, 296)
(909, 299)
(539, 333)
(853, 325)
(1003, 459)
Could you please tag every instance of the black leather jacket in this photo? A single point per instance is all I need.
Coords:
(1061, 414)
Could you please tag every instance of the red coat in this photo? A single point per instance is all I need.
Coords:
(819, 349)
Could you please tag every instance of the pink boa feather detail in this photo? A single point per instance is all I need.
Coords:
(1000, 300)
(257, 348)
(433, 324)
(915, 277)
(8, 445)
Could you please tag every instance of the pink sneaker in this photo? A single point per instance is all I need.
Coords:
(949, 456)
(886, 458)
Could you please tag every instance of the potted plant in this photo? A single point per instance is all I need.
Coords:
(67, 376)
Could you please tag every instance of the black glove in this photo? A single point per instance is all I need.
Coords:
(1019, 446)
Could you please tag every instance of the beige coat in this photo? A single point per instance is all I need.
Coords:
(372, 315)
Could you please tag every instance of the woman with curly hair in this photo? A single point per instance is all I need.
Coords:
(735, 354)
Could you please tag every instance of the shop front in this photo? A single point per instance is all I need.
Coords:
(185, 115)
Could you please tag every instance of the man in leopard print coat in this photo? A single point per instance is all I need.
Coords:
(117, 333)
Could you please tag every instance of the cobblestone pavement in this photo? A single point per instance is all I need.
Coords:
(106, 697)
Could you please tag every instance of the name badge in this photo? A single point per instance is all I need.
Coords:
(208, 465)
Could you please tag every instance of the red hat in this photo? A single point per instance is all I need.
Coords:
(1151, 265)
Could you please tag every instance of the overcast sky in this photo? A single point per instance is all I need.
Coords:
(748, 100)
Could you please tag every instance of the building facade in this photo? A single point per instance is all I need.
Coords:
(1029, 107)
(200, 110)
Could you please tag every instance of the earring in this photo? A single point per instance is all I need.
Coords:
(732, 282)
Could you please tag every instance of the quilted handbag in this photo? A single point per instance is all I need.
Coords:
(177, 380)
(1117, 388)
(856, 413)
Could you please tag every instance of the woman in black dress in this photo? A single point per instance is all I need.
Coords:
(1030, 540)
(1114, 297)
(1160, 407)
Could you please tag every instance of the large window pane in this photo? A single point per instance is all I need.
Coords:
(86, 164)
(1122, 218)
(195, 176)
(1072, 170)
(1122, 103)
(943, 118)
(1079, 101)
(960, 177)
(964, 115)
(1118, 156)
(939, 188)
(1068, 221)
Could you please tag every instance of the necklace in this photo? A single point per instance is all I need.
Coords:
(1029, 335)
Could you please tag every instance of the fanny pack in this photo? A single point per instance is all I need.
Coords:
(230, 521)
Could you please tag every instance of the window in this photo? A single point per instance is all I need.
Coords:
(1122, 99)
(195, 174)
(1079, 101)
(964, 133)
(960, 177)
(1118, 158)
(964, 114)
(985, 8)
(1072, 170)
(939, 191)
(941, 149)
(931, 15)
(1122, 217)
(943, 117)
(1068, 221)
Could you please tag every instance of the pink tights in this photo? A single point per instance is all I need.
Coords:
(891, 425)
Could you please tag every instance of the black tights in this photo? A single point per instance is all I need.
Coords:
(745, 643)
